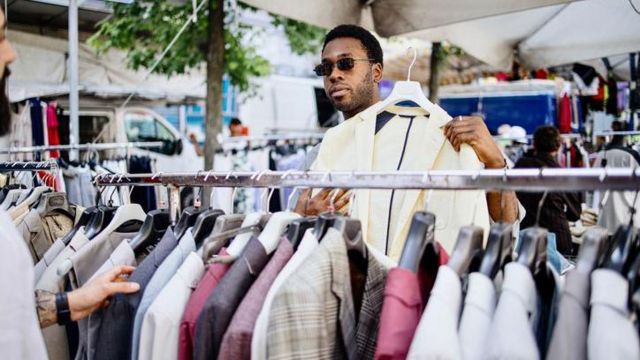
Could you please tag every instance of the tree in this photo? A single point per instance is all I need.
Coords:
(144, 28)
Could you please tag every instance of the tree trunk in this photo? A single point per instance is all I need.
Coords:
(215, 73)
(434, 74)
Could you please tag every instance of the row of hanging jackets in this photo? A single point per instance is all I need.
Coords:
(269, 286)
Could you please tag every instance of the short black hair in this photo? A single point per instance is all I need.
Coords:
(546, 139)
(369, 42)
(616, 125)
(235, 121)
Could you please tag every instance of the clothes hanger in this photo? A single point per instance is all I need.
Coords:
(124, 215)
(240, 241)
(11, 198)
(499, 249)
(187, 219)
(532, 250)
(34, 196)
(298, 227)
(5, 190)
(84, 219)
(592, 250)
(242, 234)
(466, 253)
(275, 227)
(155, 224)
(406, 91)
(420, 240)
(99, 221)
(624, 245)
(204, 224)
(54, 202)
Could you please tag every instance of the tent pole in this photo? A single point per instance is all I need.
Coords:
(74, 124)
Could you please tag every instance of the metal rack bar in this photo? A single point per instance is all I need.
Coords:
(296, 137)
(531, 180)
(27, 165)
(609, 133)
(96, 146)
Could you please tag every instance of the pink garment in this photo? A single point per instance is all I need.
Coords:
(236, 343)
(52, 129)
(405, 296)
(564, 115)
(194, 307)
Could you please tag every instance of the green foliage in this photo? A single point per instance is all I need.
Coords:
(144, 28)
(303, 38)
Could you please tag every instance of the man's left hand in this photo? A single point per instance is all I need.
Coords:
(473, 131)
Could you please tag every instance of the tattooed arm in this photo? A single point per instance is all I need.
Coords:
(88, 298)
(46, 307)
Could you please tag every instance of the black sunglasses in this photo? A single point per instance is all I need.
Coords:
(344, 64)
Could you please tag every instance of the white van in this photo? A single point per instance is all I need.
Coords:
(138, 123)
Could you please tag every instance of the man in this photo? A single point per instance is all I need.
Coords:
(352, 67)
(20, 310)
(558, 208)
(235, 127)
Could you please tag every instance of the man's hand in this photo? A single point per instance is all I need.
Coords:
(95, 294)
(321, 202)
(473, 131)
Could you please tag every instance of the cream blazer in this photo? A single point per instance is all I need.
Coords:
(349, 147)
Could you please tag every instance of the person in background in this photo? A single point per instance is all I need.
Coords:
(558, 208)
(617, 141)
(236, 128)
(23, 311)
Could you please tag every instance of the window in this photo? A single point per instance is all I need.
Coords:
(142, 126)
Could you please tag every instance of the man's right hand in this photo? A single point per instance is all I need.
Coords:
(321, 202)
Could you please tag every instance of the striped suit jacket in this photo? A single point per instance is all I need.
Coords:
(313, 314)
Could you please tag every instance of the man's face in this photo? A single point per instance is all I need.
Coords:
(236, 130)
(354, 89)
(7, 55)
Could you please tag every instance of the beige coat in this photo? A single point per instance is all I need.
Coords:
(350, 147)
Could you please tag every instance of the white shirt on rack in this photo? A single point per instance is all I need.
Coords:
(20, 335)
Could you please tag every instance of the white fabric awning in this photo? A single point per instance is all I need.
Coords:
(41, 70)
(394, 17)
(547, 36)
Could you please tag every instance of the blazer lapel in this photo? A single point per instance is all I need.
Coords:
(364, 133)
(426, 145)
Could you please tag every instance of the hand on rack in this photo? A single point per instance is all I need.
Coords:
(95, 294)
(472, 130)
(322, 202)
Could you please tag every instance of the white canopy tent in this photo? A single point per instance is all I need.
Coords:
(395, 17)
(41, 70)
(548, 36)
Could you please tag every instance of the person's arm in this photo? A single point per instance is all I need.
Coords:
(87, 299)
(503, 206)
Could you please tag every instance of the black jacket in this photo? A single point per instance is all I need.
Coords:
(558, 208)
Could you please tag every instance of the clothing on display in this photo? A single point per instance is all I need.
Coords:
(252, 288)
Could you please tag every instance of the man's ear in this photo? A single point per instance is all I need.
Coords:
(377, 72)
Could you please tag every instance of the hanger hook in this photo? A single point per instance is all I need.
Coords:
(415, 57)
(333, 200)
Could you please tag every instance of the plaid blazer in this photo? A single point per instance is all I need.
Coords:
(313, 313)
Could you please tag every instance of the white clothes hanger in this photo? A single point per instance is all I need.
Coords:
(12, 196)
(240, 241)
(406, 91)
(123, 214)
(274, 229)
(32, 198)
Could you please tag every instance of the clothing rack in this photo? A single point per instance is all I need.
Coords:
(531, 180)
(27, 165)
(89, 146)
(296, 137)
(612, 133)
